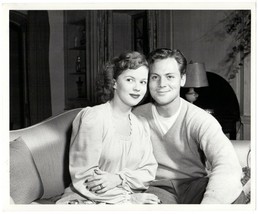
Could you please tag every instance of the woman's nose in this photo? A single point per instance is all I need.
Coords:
(136, 87)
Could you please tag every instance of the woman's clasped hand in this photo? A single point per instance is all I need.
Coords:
(102, 181)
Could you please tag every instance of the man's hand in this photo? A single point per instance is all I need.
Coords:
(102, 181)
(144, 198)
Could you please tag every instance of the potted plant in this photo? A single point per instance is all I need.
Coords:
(238, 25)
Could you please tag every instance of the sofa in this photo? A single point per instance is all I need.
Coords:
(39, 158)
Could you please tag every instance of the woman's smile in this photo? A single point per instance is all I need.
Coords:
(135, 96)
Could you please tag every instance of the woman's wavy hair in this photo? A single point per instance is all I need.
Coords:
(115, 67)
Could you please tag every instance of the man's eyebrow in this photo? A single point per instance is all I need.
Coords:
(170, 73)
(163, 74)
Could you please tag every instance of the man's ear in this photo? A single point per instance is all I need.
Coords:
(183, 80)
(114, 84)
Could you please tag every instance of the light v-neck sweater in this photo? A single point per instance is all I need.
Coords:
(179, 152)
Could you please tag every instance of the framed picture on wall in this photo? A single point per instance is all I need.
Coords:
(140, 32)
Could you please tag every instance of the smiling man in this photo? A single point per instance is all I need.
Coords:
(185, 138)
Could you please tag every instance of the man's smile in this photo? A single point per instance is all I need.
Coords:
(162, 92)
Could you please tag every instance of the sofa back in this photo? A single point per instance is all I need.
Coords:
(45, 171)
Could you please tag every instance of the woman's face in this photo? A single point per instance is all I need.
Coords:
(131, 86)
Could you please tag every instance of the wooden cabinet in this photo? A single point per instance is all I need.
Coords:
(87, 34)
(75, 61)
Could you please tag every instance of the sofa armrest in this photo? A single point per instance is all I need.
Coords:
(243, 151)
(48, 145)
(243, 148)
(11, 200)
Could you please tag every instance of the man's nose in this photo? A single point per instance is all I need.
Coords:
(162, 81)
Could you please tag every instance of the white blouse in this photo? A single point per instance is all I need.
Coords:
(95, 144)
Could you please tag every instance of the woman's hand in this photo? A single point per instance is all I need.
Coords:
(102, 181)
(144, 198)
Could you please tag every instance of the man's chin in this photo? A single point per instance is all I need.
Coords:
(162, 102)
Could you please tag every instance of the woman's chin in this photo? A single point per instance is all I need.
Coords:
(134, 103)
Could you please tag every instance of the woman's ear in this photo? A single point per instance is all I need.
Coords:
(183, 80)
(114, 84)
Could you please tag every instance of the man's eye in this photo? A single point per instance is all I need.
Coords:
(154, 77)
(170, 77)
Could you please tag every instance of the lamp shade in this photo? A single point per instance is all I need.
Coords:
(196, 76)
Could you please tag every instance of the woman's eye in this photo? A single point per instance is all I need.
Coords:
(129, 80)
(143, 82)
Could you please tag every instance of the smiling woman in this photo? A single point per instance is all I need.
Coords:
(113, 69)
(111, 157)
(132, 83)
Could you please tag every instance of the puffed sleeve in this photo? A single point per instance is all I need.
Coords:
(85, 148)
(85, 153)
(140, 177)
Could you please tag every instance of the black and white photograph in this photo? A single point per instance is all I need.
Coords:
(129, 106)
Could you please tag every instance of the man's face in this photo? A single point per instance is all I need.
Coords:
(165, 81)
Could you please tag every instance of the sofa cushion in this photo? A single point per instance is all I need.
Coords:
(25, 183)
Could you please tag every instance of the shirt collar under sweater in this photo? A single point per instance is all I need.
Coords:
(164, 123)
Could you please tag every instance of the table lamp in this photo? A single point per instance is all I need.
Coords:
(195, 78)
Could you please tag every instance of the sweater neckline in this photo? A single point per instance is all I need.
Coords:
(157, 128)
(164, 123)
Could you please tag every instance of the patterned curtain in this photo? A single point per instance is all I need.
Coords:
(104, 47)
(38, 66)
(152, 16)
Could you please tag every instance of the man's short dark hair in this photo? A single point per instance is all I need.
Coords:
(164, 53)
